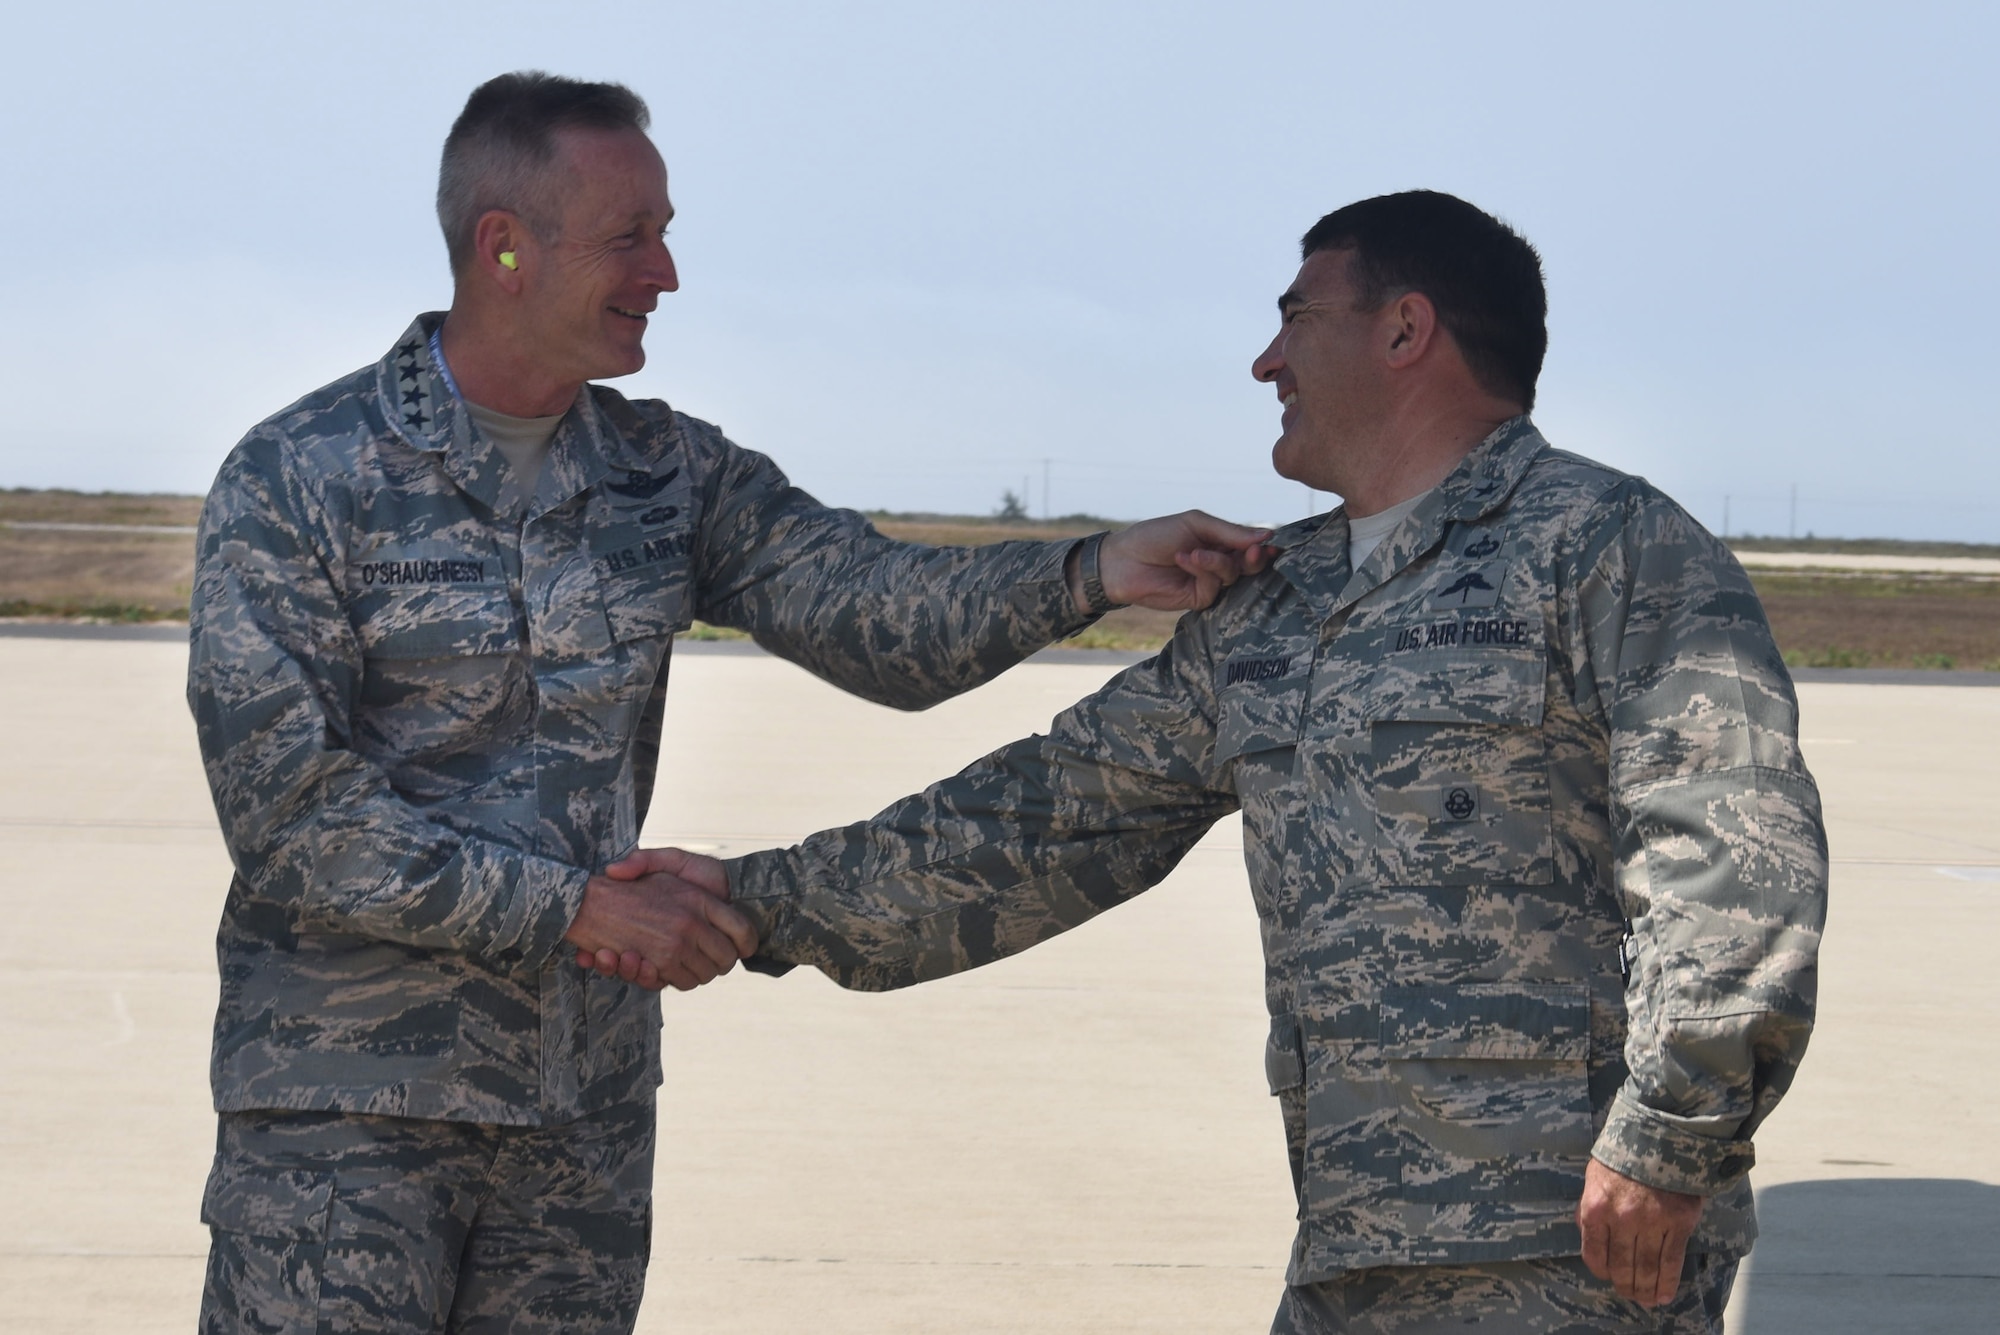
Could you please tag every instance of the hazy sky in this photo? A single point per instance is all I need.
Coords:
(926, 246)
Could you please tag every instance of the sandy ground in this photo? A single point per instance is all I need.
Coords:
(1075, 1140)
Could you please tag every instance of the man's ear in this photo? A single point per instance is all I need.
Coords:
(1409, 327)
(499, 246)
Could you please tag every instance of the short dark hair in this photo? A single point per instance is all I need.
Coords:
(502, 145)
(1482, 276)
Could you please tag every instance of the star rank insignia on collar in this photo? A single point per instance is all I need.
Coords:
(418, 393)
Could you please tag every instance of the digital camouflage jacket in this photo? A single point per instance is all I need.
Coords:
(430, 705)
(1548, 708)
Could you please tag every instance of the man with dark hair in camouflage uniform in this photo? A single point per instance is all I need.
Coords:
(1539, 867)
(431, 625)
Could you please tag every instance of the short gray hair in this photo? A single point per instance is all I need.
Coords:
(502, 147)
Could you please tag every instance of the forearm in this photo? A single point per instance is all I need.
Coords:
(1726, 898)
(1038, 837)
(321, 831)
(911, 626)
(899, 623)
(930, 888)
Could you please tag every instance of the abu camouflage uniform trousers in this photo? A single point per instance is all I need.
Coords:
(1544, 1297)
(1537, 864)
(345, 1222)
(429, 705)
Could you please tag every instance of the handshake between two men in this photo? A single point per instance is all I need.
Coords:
(661, 918)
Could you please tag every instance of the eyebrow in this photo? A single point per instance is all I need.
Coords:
(1289, 300)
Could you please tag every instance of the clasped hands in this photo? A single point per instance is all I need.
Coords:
(660, 917)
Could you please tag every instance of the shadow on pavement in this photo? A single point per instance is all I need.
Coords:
(1874, 1254)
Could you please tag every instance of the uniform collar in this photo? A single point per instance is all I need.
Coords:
(422, 407)
(1482, 483)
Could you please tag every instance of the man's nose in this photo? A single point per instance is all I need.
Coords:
(1268, 364)
(661, 271)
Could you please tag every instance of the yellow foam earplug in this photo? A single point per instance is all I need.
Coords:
(507, 260)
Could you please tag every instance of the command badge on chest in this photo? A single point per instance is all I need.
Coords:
(1458, 800)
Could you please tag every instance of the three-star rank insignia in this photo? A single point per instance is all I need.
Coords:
(418, 395)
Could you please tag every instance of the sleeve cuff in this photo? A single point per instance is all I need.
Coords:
(533, 917)
(763, 887)
(1650, 1147)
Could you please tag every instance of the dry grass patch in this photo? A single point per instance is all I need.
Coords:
(1842, 620)
(107, 576)
(97, 507)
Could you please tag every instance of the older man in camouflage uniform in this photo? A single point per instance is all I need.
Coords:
(431, 626)
(1539, 867)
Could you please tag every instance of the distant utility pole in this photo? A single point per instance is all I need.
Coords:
(1046, 513)
(1795, 509)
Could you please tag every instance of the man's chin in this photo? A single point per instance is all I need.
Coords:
(624, 363)
(1284, 460)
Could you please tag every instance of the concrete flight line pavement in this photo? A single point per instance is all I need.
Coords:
(1075, 1140)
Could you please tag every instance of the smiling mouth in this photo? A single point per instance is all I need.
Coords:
(629, 314)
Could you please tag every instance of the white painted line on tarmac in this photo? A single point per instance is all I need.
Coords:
(1970, 873)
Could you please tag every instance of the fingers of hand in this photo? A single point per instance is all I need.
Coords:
(1636, 1244)
(1221, 532)
(1667, 1279)
(639, 862)
(735, 926)
(629, 966)
(679, 978)
(709, 951)
(1621, 1250)
(1596, 1251)
(706, 872)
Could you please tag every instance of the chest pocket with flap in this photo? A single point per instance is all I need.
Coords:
(1458, 768)
(431, 600)
(642, 547)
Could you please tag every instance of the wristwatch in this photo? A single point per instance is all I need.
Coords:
(1096, 601)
